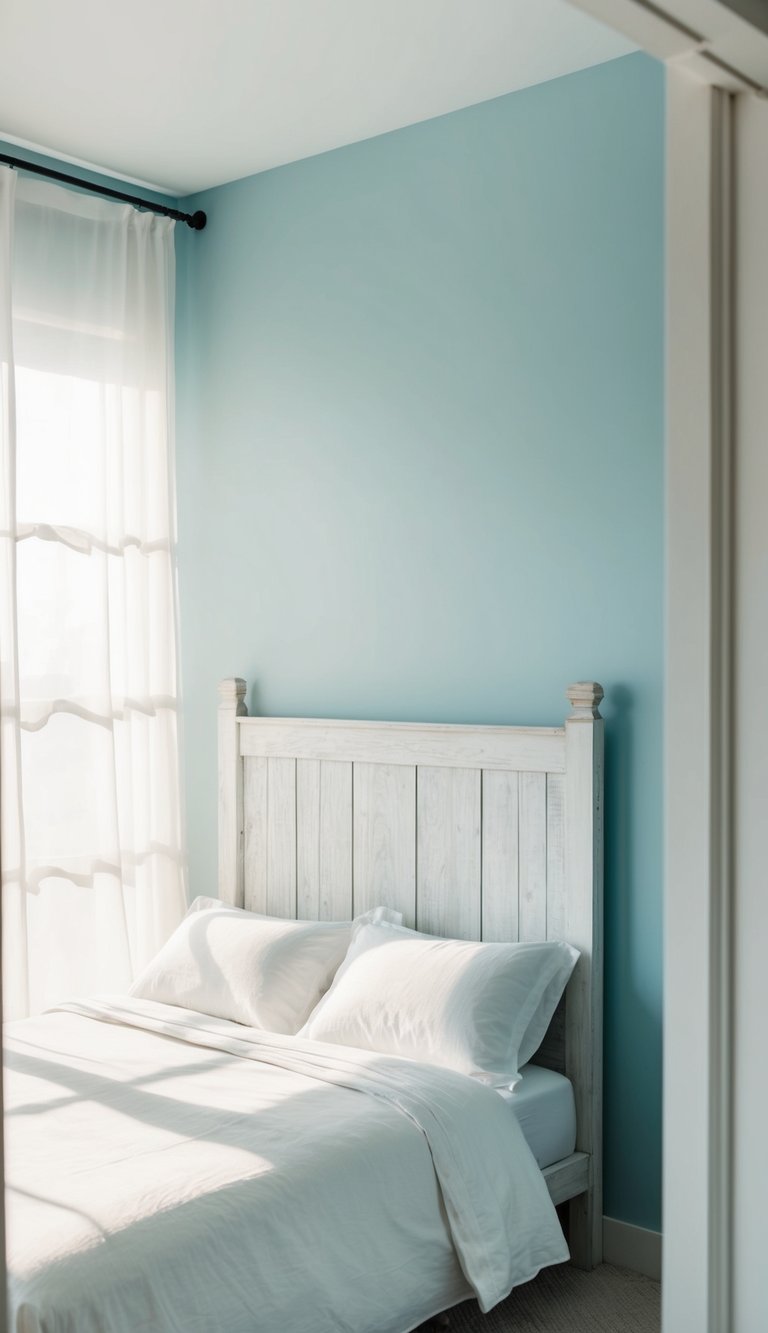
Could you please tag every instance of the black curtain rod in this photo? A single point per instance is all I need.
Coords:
(194, 220)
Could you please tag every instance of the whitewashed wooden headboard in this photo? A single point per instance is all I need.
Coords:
(490, 833)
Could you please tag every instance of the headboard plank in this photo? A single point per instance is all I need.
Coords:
(529, 749)
(255, 800)
(500, 919)
(335, 841)
(556, 922)
(307, 838)
(281, 837)
(448, 858)
(384, 838)
(323, 840)
(533, 856)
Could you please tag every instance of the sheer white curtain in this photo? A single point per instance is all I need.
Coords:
(92, 866)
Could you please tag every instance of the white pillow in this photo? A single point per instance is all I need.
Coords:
(259, 970)
(457, 1003)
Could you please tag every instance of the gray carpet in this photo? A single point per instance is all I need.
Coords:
(566, 1300)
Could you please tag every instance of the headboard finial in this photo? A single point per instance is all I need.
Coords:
(232, 695)
(584, 697)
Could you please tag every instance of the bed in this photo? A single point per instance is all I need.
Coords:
(172, 1171)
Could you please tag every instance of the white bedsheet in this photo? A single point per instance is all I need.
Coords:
(173, 1173)
(545, 1109)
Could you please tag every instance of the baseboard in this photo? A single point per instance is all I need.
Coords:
(632, 1247)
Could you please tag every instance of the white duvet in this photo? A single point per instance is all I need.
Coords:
(172, 1173)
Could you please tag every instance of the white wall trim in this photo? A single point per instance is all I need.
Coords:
(628, 1246)
(749, 925)
(698, 879)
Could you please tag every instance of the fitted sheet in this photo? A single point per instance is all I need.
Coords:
(172, 1173)
(546, 1112)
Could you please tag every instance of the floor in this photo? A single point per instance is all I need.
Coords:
(566, 1300)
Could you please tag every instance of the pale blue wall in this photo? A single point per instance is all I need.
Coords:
(420, 470)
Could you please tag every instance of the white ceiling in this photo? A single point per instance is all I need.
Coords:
(186, 94)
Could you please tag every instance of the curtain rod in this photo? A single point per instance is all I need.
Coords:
(194, 220)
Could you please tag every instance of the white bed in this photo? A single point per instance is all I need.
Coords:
(489, 833)
(168, 1171)
(202, 1175)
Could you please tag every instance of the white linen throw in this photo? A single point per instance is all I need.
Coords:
(498, 1212)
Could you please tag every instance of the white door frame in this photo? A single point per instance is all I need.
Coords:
(698, 707)
(749, 922)
(716, 734)
(716, 741)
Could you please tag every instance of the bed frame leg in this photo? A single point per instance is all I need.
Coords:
(585, 1230)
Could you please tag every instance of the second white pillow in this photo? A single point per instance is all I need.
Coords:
(457, 1003)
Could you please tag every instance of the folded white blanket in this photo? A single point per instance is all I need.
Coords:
(172, 1172)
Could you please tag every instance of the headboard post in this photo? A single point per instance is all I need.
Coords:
(231, 707)
(584, 916)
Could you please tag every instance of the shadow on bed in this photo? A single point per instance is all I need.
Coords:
(151, 1107)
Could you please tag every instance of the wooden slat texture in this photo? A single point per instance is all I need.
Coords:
(500, 856)
(335, 841)
(568, 1177)
(308, 839)
(281, 837)
(255, 834)
(385, 838)
(526, 749)
(555, 857)
(324, 840)
(448, 865)
(533, 856)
